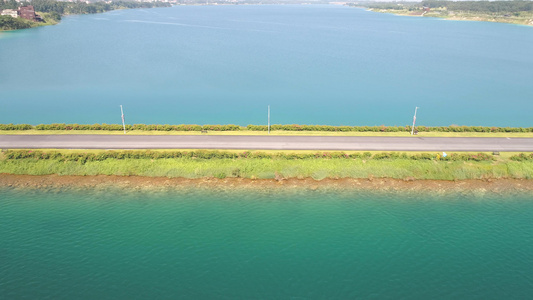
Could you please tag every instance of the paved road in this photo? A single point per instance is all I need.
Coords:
(265, 142)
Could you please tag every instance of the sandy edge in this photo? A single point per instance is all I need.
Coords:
(163, 183)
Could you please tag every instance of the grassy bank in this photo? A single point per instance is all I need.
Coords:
(363, 165)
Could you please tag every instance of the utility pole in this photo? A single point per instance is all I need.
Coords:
(414, 120)
(123, 124)
(269, 119)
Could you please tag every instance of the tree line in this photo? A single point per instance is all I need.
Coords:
(70, 8)
(467, 6)
(482, 6)
(55, 9)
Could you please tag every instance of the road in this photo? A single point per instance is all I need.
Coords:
(265, 142)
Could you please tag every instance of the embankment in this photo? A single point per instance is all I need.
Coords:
(270, 165)
(476, 187)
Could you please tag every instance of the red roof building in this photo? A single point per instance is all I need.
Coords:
(28, 13)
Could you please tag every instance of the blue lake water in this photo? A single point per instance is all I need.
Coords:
(314, 64)
(113, 244)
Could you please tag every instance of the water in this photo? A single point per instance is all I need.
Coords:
(314, 64)
(101, 244)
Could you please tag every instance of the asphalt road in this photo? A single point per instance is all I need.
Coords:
(265, 142)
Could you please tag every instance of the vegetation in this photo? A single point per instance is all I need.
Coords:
(76, 8)
(51, 10)
(10, 23)
(231, 127)
(215, 154)
(517, 11)
(222, 164)
(522, 157)
(482, 6)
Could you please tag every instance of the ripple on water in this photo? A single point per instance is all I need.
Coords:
(116, 243)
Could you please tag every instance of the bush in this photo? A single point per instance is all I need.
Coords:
(15, 127)
(215, 154)
(522, 157)
(276, 127)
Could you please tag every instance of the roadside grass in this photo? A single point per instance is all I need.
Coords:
(276, 168)
(276, 133)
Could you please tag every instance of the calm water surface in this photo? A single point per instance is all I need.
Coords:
(279, 245)
(224, 64)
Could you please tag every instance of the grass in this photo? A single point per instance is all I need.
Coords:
(282, 133)
(268, 168)
(522, 18)
(276, 168)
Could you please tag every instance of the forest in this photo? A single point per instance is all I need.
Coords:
(466, 6)
(52, 10)
(482, 6)
(514, 12)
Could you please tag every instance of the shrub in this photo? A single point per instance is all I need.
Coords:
(215, 154)
(289, 127)
(522, 157)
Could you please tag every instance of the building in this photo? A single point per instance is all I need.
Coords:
(10, 12)
(28, 13)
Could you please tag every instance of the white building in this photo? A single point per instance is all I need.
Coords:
(10, 12)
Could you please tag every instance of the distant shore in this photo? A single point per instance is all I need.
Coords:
(163, 183)
(461, 17)
(52, 12)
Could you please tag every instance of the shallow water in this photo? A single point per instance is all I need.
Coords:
(120, 244)
(314, 64)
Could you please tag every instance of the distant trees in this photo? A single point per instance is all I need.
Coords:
(482, 6)
(8, 4)
(72, 8)
(53, 10)
(388, 5)
(466, 6)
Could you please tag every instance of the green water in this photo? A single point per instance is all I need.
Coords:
(97, 244)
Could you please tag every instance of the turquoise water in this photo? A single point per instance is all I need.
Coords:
(314, 64)
(113, 244)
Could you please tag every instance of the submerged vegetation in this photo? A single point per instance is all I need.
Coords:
(268, 165)
(516, 11)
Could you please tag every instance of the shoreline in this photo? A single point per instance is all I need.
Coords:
(52, 21)
(468, 18)
(475, 186)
